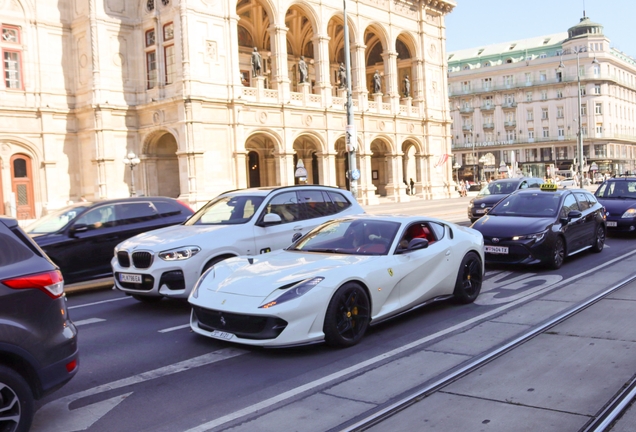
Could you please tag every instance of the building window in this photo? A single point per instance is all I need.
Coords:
(486, 83)
(599, 130)
(581, 71)
(561, 132)
(529, 115)
(584, 130)
(168, 32)
(507, 80)
(559, 112)
(583, 109)
(546, 132)
(11, 57)
(559, 94)
(511, 135)
(466, 86)
(598, 108)
(528, 78)
(544, 113)
(168, 53)
(528, 96)
(10, 35)
(562, 152)
(597, 70)
(151, 59)
(546, 154)
(597, 89)
(544, 95)
(599, 150)
(543, 76)
(530, 134)
(582, 90)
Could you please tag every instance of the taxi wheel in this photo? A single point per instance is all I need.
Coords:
(469, 278)
(147, 299)
(599, 240)
(558, 254)
(347, 316)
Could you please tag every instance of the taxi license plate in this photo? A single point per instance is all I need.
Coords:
(222, 335)
(480, 211)
(130, 278)
(496, 249)
(611, 224)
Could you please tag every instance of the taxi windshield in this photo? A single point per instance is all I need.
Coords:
(538, 204)
(227, 210)
(351, 236)
(499, 188)
(55, 220)
(617, 189)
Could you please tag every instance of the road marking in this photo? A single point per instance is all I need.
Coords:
(174, 328)
(88, 321)
(56, 416)
(252, 409)
(99, 302)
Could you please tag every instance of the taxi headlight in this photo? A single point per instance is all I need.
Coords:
(294, 292)
(536, 237)
(470, 205)
(630, 213)
(180, 253)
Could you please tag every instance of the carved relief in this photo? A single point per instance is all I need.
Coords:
(211, 49)
(156, 117)
(381, 125)
(405, 7)
(381, 3)
(81, 7)
(262, 117)
(308, 120)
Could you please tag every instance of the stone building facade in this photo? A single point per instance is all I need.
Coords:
(86, 82)
(520, 98)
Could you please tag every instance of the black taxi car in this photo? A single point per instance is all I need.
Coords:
(618, 196)
(495, 191)
(542, 226)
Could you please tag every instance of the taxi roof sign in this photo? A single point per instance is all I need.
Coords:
(551, 187)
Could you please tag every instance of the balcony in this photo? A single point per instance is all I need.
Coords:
(510, 124)
(509, 105)
(466, 110)
(487, 107)
(489, 125)
(467, 128)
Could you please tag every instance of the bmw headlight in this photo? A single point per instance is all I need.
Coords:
(536, 237)
(179, 254)
(630, 213)
(294, 292)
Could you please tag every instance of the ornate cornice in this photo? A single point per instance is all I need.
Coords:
(441, 6)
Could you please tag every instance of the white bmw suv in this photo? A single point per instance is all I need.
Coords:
(168, 262)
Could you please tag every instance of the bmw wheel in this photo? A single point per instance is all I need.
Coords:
(599, 239)
(558, 254)
(469, 278)
(348, 316)
(16, 402)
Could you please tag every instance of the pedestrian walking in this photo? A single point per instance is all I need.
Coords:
(412, 183)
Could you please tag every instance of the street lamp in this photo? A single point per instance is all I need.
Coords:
(132, 161)
(456, 167)
(578, 51)
(483, 160)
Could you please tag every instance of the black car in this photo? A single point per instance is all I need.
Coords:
(618, 196)
(495, 191)
(81, 238)
(38, 341)
(545, 225)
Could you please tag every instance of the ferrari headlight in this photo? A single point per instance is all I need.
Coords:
(179, 254)
(536, 237)
(208, 273)
(294, 292)
(630, 213)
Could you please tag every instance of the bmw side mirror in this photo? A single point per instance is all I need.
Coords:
(271, 219)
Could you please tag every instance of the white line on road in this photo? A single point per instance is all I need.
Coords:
(99, 302)
(88, 321)
(250, 410)
(174, 328)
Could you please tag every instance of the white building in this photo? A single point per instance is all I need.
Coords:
(87, 81)
(522, 97)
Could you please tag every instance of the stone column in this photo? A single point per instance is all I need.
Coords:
(359, 76)
(377, 98)
(419, 89)
(240, 159)
(280, 78)
(286, 168)
(367, 189)
(391, 79)
(321, 68)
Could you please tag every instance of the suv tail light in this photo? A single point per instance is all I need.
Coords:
(51, 283)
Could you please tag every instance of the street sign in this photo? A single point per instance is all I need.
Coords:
(350, 138)
(593, 167)
(355, 174)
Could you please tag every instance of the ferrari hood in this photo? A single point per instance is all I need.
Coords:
(177, 235)
(259, 276)
(509, 226)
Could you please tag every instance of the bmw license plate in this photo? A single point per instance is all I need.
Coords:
(496, 249)
(611, 224)
(130, 278)
(222, 335)
(480, 211)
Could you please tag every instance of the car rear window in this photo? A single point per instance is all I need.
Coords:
(166, 208)
(339, 201)
(12, 250)
(130, 213)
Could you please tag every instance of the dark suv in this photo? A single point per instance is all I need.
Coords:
(81, 238)
(495, 191)
(38, 341)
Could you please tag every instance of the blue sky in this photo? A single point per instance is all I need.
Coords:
(483, 22)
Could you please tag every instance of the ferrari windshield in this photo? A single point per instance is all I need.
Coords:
(617, 189)
(55, 221)
(499, 188)
(350, 236)
(538, 204)
(227, 210)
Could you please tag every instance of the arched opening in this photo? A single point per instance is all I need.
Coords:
(299, 43)
(306, 149)
(264, 148)
(405, 69)
(162, 167)
(253, 33)
(409, 165)
(335, 30)
(254, 170)
(380, 167)
(22, 186)
(374, 62)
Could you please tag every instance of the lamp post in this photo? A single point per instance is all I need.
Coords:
(132, 161)
(456, 167)
(351, 139)
(482, 161)
(578, 88)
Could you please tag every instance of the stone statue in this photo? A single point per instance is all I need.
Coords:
(257, 69)
(407, 87)
(377, 82)
(342, 76)
(302, 68)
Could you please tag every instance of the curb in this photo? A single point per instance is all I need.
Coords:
(92, 285)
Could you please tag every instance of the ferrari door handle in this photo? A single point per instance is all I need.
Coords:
(448, 252)
(298, 228)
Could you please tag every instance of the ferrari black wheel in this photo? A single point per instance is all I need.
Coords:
(558, 254)
(599, 239)
(348, 316)
(469, 278)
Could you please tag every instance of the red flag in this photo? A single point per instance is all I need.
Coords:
(442, 160)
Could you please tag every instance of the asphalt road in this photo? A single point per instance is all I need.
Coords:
(142, 368)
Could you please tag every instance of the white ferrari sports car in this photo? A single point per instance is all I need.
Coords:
(338, 279)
